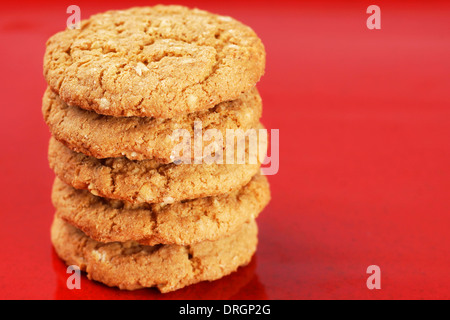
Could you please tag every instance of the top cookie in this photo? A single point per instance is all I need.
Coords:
(160, 61)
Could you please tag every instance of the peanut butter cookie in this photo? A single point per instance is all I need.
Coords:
(142, 138)
(180, 223)
(146, 180)
(160, 61)
(130, 266)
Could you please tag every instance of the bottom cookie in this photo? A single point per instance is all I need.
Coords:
(130, 266)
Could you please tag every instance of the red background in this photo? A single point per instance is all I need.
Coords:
(364, 153)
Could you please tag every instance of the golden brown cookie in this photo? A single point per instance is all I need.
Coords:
(182, 223)
(142, 138)
(130, 266)
(146, 180)
(160, 61)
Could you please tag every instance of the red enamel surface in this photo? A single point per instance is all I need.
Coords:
(364, 119)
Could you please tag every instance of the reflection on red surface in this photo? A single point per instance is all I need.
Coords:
(242, 284)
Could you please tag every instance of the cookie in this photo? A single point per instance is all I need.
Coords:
(160, 61)
(130, 266)
(182, 223)
(142, 138)
(146, 180)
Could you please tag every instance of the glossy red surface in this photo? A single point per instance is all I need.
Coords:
(364, 153)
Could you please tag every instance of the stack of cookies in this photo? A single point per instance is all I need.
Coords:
(130, 211)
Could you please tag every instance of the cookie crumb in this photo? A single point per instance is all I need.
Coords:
(104, 103)
(192, 100)
(140, 67)
(168, 200)
(224, 18)
(100, 256)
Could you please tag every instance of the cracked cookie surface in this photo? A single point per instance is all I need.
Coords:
(181, 223)
(142, 138)
(130, 266)
(160, 61)
(146, 180)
